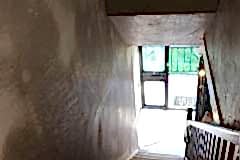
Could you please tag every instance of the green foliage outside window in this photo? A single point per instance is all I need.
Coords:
(183, 60)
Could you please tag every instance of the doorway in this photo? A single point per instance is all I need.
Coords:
(169, 77)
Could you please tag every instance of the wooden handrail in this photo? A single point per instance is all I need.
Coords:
(227, 134)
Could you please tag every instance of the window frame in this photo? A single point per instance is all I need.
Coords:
(154, 76)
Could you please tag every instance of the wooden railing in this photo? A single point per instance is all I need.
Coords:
(209, 142)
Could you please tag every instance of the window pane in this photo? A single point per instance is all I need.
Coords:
(153, 58)
(184, 60)
(154, 93)
(182, 91)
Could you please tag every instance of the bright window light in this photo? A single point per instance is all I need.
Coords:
(154, 93)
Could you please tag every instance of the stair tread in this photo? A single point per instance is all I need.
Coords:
(154, 156)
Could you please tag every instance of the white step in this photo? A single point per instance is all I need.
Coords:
(154, 156)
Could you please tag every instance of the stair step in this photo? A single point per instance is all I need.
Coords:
(154, 156)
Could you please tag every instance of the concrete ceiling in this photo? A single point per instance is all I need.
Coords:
(143, 7)
(162, 29)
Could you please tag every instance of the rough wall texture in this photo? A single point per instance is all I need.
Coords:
(223, 43)
(66, 88)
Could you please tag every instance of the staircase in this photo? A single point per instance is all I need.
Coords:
(154, 156)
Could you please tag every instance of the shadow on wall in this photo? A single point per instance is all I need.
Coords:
(22, 139)
(28, 24)
(24, 23)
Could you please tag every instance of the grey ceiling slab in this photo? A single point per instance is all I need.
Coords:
(162, 29)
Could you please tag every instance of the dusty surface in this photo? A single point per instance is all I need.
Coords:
(223, 42)
(162, 29)
(66, 89)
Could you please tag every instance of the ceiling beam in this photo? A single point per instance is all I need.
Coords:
(157, 7)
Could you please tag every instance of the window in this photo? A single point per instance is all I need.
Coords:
(153, 58)
(154, 76)
(183, 77)
(183, 60)
(164, 65)
(154, 92)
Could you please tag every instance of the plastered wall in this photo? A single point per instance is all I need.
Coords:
(66, 83)
(223, 42)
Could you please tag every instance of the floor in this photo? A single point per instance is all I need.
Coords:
(162, 131)
(154, 156)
